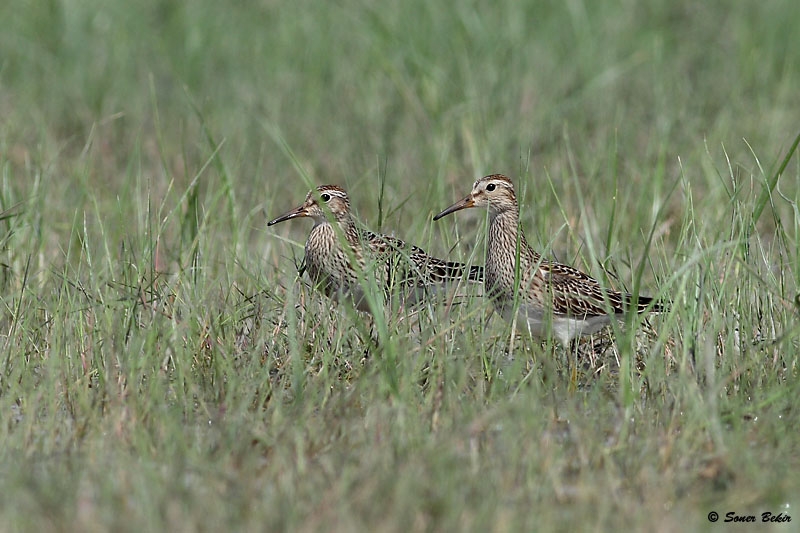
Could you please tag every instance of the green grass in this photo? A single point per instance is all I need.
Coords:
(162, 367)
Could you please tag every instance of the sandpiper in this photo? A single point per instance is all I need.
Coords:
(339, 255)
(551, 297)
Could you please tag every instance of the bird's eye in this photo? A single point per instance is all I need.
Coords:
(325, 197)
(491, 187)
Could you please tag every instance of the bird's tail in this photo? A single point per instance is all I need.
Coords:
(646, 303)
(453, 271)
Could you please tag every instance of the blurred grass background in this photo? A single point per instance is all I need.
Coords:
(157, 373)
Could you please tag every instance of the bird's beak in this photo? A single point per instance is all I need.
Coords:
(294, 213)
(458, 206)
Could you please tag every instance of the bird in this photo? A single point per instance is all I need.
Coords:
(339, 256)
(552, 298)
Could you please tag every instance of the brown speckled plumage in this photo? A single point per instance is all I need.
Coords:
(572, 302)
(340, 255)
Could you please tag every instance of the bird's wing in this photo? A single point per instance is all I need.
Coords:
(577, 294)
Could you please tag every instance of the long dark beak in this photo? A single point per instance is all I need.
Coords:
(294, 213)
(458, 206)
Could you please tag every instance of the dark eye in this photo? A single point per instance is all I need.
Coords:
(490, 187)
(325, 197)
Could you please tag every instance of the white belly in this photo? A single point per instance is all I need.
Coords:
(541, 324)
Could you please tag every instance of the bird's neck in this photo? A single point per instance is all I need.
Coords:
(349, 229)
(345, 227)
(504, 230)
(343, 223)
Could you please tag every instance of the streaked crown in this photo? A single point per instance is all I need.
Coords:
(318, 203)
(494, 191)
(332, 196)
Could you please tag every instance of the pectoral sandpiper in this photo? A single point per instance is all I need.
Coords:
(549, 296)
(340, 255)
